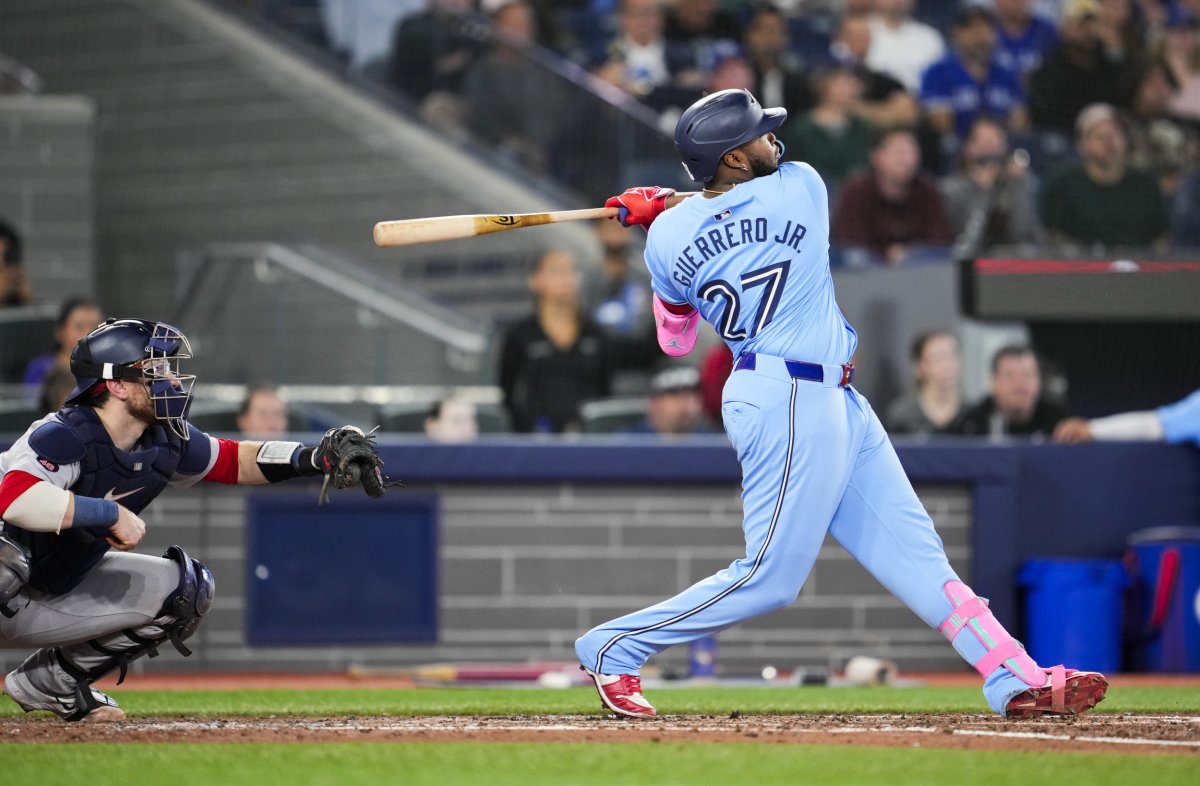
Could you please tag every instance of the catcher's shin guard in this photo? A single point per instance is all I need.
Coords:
(14, 573)
(971, 611)
(176, 621)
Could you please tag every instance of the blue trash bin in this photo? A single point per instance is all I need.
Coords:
(1165, 565)
(1073, 612)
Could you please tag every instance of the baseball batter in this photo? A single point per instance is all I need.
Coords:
(751, 258)
(72, 488)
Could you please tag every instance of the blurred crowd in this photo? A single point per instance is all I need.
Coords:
(939, 125)
(943, 129)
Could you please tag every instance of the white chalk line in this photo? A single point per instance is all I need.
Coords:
(650, 729)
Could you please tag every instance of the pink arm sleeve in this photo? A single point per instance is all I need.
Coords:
(676, 332)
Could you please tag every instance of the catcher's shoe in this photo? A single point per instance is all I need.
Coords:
(1067, 692)
(96, 707)
(622, 693)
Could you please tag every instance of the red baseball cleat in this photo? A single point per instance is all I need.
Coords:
(622, 693)
(1069, 692)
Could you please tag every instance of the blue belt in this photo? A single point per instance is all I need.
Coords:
(841, 375)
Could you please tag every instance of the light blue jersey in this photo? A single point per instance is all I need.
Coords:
(1181, 420)
(755, 263)
(815, 458)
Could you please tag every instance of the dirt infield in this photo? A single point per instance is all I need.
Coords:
(1138, 734)
(1128, 733)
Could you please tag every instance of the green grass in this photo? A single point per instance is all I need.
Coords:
(529, 764)
(691, 700)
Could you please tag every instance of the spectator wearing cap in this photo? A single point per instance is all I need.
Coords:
(1102, 201)
(901, 46)
(969, 81)
(673, 405)
(15, 289)
(885, 103)
(831, 137)
(1023, 39)
(1076, 73)
(778, 77)
(892, 207)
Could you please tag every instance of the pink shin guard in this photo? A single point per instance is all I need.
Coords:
(972, 611)
(676, 332)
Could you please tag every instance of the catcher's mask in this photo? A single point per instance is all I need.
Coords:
(137, 349)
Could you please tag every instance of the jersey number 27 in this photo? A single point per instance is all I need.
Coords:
(771, 277)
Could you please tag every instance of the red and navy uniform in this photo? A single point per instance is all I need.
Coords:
(72, 450)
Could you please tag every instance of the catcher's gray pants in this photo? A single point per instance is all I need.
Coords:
(123, 591)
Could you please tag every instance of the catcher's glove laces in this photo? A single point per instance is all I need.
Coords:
(349, 457)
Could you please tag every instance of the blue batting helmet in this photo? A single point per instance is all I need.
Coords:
(716, 124)
(137, 349)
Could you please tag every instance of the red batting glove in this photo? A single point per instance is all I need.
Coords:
(640, 205)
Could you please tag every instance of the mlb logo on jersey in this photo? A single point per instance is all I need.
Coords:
(724, 214)
(48, 464)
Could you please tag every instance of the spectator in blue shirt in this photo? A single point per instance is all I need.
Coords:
(1022, 38)
(969, 81)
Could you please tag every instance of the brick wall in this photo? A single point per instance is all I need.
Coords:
(525, 570)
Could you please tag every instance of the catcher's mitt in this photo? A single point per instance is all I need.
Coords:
(348, 457)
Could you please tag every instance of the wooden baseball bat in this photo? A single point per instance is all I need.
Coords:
(412, 231)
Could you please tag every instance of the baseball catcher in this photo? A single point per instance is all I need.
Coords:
(72, 490)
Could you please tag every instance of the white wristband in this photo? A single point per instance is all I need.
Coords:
(1128, 426)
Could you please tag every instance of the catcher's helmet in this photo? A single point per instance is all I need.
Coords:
(716, 124)
(137, 349)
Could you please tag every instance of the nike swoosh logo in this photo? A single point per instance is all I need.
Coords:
(115, 497)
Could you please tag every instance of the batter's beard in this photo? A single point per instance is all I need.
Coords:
(761, 167)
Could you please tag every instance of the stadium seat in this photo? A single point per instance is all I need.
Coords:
(16, 416)
(611, 415)
(214, 417)
(25, 333)
(409, 418)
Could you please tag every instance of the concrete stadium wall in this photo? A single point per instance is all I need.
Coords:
(541, 540)
(526, 570)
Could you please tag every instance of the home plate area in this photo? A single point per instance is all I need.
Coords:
(1124, 733)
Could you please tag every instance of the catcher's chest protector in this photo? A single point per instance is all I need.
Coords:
(135, 478)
